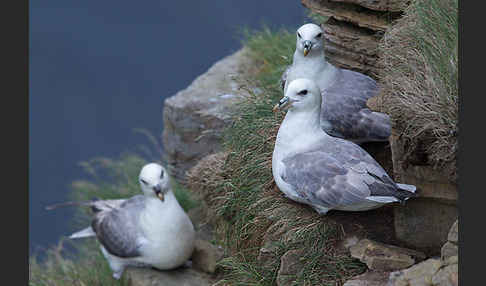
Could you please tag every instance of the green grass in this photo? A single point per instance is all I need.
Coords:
(420, 81)
(111, 179)
(61, 268)
(244, 195)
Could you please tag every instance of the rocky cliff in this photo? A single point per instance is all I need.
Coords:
(194, 117)
(192, 135)
(354, 29)
(353, 36)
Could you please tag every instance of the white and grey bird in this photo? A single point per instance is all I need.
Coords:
(345, 92)
(149, 230)
(311, 167)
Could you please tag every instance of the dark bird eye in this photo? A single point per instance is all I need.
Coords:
(319, 35)
(303, 92)
(299, 35)
(161, 174)
(141, 180)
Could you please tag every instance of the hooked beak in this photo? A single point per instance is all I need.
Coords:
(307, 47)
(158, 192)
(283, 102)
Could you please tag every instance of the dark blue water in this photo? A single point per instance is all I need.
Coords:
(99, 69)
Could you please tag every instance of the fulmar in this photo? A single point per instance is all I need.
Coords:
(149, 230)
(311, 167)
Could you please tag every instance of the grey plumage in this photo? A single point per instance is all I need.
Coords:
(337, 174)
(344, 111)
(149, 230)
(114, 224)
(344, 107)
(117, 229)
(325, 172)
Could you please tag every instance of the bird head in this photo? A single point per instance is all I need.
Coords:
(154, 181)
(302, 95)
(309, 39)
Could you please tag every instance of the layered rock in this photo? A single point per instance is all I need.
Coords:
(443, 271)
(383, 257)
(206, 256)
(194, 117)
(354, 29)
(434, 271)
(423, 222)
(369, 278)
(150, 277)
(431, 272)
(352, 35)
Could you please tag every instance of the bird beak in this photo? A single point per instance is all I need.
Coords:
(307, 47)
(158, 192)
(283, 102)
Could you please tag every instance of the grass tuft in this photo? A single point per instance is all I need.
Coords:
(237, 185)
(420, 81)
(60, 267)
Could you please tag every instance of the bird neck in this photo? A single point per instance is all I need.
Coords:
(157, 213)
(299, 128)
(310, 58)
(154, 202)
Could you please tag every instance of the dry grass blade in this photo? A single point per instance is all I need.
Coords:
(420, 81)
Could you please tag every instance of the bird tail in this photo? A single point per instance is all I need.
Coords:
(403, 193)
(408, 191)
(87, 232)
(409, 188)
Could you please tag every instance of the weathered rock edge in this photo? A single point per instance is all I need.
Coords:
(195, 117)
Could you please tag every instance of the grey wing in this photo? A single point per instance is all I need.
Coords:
(118, 230)
(335, 179)
(106, 205)
(351, 156)
(344, 107)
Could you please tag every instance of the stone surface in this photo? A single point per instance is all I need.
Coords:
(206, 256)
(447, 276)
(366, 18)
(383, 257)
(359, 40)
(379, 5)
(448, 249)
(369, 278)
(420, 274)
(433, 184)
(453, 235)
(177, 277)
(194, 117)
(353, 30)
(350, 47)
(423, 222)
(431, 272)
(290, 266)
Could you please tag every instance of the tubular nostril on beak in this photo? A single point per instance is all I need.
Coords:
(307, 44)
(157, 189)
(307, 47)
